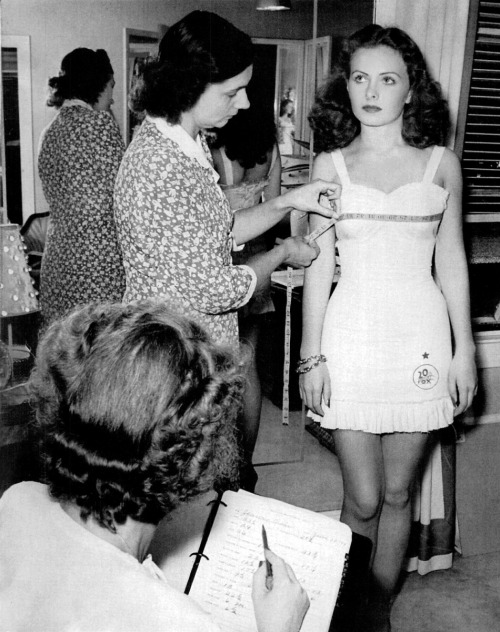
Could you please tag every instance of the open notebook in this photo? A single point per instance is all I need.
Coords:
(217, 561)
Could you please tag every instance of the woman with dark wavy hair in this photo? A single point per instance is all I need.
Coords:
(377, 363)
(175, 226)
(425, 120)
(80, 152)
(134, 406)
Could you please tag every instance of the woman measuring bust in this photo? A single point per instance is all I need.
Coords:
(175, 226)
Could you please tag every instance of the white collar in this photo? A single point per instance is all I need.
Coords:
(191, 147)
(70, 102)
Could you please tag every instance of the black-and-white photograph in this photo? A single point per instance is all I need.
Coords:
(250, 315)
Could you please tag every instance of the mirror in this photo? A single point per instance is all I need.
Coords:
(287, 67)
(138, 46)
(128, 30)
(17, 130)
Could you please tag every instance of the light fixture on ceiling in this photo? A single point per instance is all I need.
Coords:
(273, 5)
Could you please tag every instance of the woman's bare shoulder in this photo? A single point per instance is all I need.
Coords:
(449, 170)
(324, 167)
(450, 160)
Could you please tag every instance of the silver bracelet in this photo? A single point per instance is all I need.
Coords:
(319, 357)
(305, 369)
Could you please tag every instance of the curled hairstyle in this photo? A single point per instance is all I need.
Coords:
(135, 406)
(84, 74)
(200, 49)
(425, 117)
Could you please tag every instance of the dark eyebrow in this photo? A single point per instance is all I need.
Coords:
(387, 72)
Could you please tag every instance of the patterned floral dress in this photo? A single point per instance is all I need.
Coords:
(80, 153)
(174, 226)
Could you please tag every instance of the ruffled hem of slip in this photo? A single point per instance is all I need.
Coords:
(383, 417)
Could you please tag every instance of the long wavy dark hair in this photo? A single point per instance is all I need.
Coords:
(200, 49)
(425, 117)
(135, 406)
(84, 74)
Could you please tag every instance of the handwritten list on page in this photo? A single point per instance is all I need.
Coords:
(315, 546)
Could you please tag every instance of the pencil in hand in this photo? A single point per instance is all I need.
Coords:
(269, 568)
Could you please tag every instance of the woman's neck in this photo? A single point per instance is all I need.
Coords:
(132, 537)
(188, 124)
(380, 140)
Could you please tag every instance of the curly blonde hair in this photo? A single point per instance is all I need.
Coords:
(136, 407)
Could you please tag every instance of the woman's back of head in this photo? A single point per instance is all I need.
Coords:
(134, 404)
(84, 74)
(200, 49)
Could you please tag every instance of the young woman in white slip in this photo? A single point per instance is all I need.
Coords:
(377, 363)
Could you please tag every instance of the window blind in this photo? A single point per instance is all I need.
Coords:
(481, 147)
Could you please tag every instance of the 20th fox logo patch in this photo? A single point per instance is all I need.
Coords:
(426, 376)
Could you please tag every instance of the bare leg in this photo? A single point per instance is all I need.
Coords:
(378, 472)
(361, 462)
(402, 453)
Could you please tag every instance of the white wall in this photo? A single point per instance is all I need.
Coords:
(58, 26)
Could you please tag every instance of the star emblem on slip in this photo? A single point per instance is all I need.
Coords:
(425, 355)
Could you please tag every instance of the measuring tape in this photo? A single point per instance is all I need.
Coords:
(319, 231)
(285, 415)
(290, 284)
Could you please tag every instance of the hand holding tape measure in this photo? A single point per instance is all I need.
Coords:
(319, 196)
(334, 203)
(328, 199)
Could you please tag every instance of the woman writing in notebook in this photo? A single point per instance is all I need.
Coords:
(377, 364)
(134, 406)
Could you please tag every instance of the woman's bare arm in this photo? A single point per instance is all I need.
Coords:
(452, 276)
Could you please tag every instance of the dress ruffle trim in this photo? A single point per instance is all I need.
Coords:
(382, 417)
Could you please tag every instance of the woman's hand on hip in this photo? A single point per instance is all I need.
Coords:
(319, 196)
(315, 388)
(298, 252)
